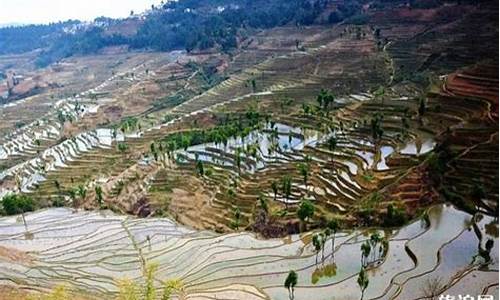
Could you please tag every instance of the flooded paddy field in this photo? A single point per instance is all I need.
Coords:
(90, 251)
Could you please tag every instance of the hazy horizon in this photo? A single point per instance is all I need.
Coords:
(23, 12)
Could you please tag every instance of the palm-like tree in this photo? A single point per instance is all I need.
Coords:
(274, 187)
(304, 172)
(237, 217)
(317, 244)
(322, 241)
(238, 159)
(263, 203)
(290, 283)
(333, 225)
(331, 143)
(287, 188)
(362, 281)
(374, 240)
(365, 252)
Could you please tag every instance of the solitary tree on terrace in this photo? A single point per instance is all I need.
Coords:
(238, 159)
(263, 203)
(287, 188)
(305, 212)
(421, 107)
(317, 244)
(365, 252)
(98, 194)
(237, 218)
(331, 143)
(304, 172)
(333, 225)
(290, 283)
(363, 281)
(375, 239)
(200, 168)
(274, 187)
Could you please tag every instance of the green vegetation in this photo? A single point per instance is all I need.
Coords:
(176, 25)
(14, 204)
(290, 283)
(305, 212)
(130, 290)
(362, 282)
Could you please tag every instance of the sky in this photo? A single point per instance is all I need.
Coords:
(46, 11)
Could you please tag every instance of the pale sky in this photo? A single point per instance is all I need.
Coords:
(45, 11)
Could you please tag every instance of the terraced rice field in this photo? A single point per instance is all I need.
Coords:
(89, 251)
(414, 160)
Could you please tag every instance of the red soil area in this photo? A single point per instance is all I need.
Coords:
(478, 82)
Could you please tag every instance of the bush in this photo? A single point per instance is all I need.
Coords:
(16, 204)
(395, 216)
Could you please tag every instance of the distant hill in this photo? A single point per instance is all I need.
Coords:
(12, 24)
(184, 24)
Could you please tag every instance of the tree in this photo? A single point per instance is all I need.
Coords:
(263, 203)
(254, 85)
(290, 283)
(421, 107)
(200, 168)
(274, 187)
(321, 96)
(18, 204)
(325, 98)
(331, 143)
(333, 225)
(122, 147)
(237, 218)
(433, 287)
(374, 240)
(287, 188)
(362, 281)
(376, 127)
(305, 211)
(72, 195)
(81, 191)
(98, 194)
(304, 172)
(327, 232)
(365, 252)
(317, 244)
(238, 159)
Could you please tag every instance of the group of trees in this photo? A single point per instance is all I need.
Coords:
(218, 135)
(17, 39)
(376, 246)
(204, 24)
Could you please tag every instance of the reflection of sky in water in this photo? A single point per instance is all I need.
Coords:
(415, 148)
(385, 151)
(263, 141)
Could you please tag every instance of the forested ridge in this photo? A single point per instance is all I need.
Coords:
(185, 24)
